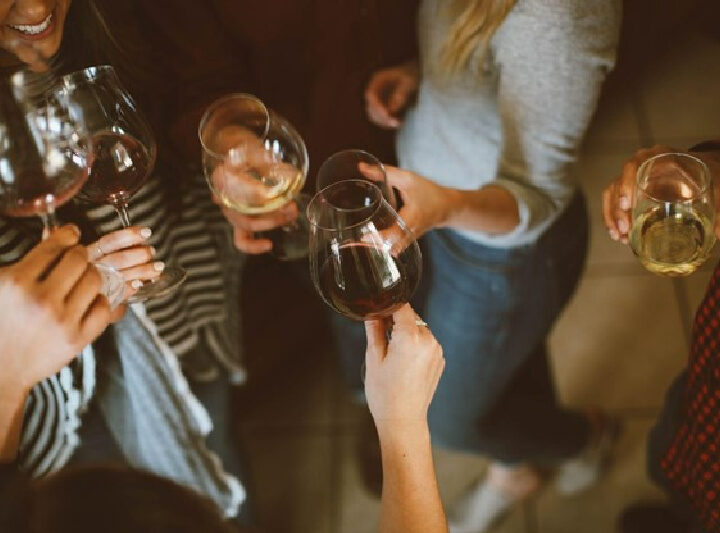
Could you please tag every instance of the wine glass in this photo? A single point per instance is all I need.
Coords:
(44, 161)
(349, 165)
(123, 151)
(364, 261)
(673, 215)
(255, 162)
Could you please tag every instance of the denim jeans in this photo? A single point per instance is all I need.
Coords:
(491, 309)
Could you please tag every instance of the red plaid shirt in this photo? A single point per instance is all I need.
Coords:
(692, 463)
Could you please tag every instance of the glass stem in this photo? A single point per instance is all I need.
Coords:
(122, 210)
(50, 222)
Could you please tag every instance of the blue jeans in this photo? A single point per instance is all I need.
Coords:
(491, 309)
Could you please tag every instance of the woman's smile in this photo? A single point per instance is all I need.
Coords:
(37, 31)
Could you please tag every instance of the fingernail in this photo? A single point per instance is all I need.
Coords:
(136, 284)
(623, 225)
(624, 203)
(145, 233)
(159, 266)
(614, 235)
(74, 229)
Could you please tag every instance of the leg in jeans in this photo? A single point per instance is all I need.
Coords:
(531, 392)
(491, 309)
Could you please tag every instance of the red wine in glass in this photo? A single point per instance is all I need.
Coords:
(364, 282)
(120, 166)
(364, 262)
(35, 195)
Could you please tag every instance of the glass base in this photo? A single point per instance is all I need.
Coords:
(113, 284)
(170, 279)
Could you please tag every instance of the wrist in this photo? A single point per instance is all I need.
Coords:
(451, 201)
(395, 433)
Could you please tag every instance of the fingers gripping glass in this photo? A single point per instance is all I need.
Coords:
(123, 151)
(673, 214)
(44, 161)
(364, 261)
(255, 162)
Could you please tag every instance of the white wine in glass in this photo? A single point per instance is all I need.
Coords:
(673, 216)
(255, 162)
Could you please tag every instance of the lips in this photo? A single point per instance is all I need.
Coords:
(35, 31)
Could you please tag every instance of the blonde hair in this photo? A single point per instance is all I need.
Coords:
(474, 24)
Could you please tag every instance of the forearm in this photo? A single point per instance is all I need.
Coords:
(410, 500)
(492, 209)
(12, 404)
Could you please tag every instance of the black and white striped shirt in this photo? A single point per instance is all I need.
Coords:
(189, 231)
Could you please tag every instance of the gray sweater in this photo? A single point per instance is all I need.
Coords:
(518, 120)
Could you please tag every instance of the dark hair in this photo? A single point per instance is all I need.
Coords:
(108, 499)
(111, 32)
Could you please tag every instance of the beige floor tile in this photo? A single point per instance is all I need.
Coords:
(619, 343)
(359, 510)
(457, 472)
(290, 473)
(596, 510)
(680, 92)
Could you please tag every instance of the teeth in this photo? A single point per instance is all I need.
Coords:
(33, 30)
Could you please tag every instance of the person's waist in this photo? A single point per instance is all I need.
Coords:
(569, 211)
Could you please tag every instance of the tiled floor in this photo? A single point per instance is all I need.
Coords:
(620, 342)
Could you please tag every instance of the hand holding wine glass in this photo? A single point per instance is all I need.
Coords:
(255, 164)
(425, 204)
(53, 307)
(123, 151)
(618, 196)
(126, 251)
(354, 263)
(673, 215)
(402, 373)
(44, 160)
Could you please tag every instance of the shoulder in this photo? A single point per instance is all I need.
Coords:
(583, 21)
(561, 30)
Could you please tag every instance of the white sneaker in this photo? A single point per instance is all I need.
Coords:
(490, 499)
(583, 471)
(479, 509)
